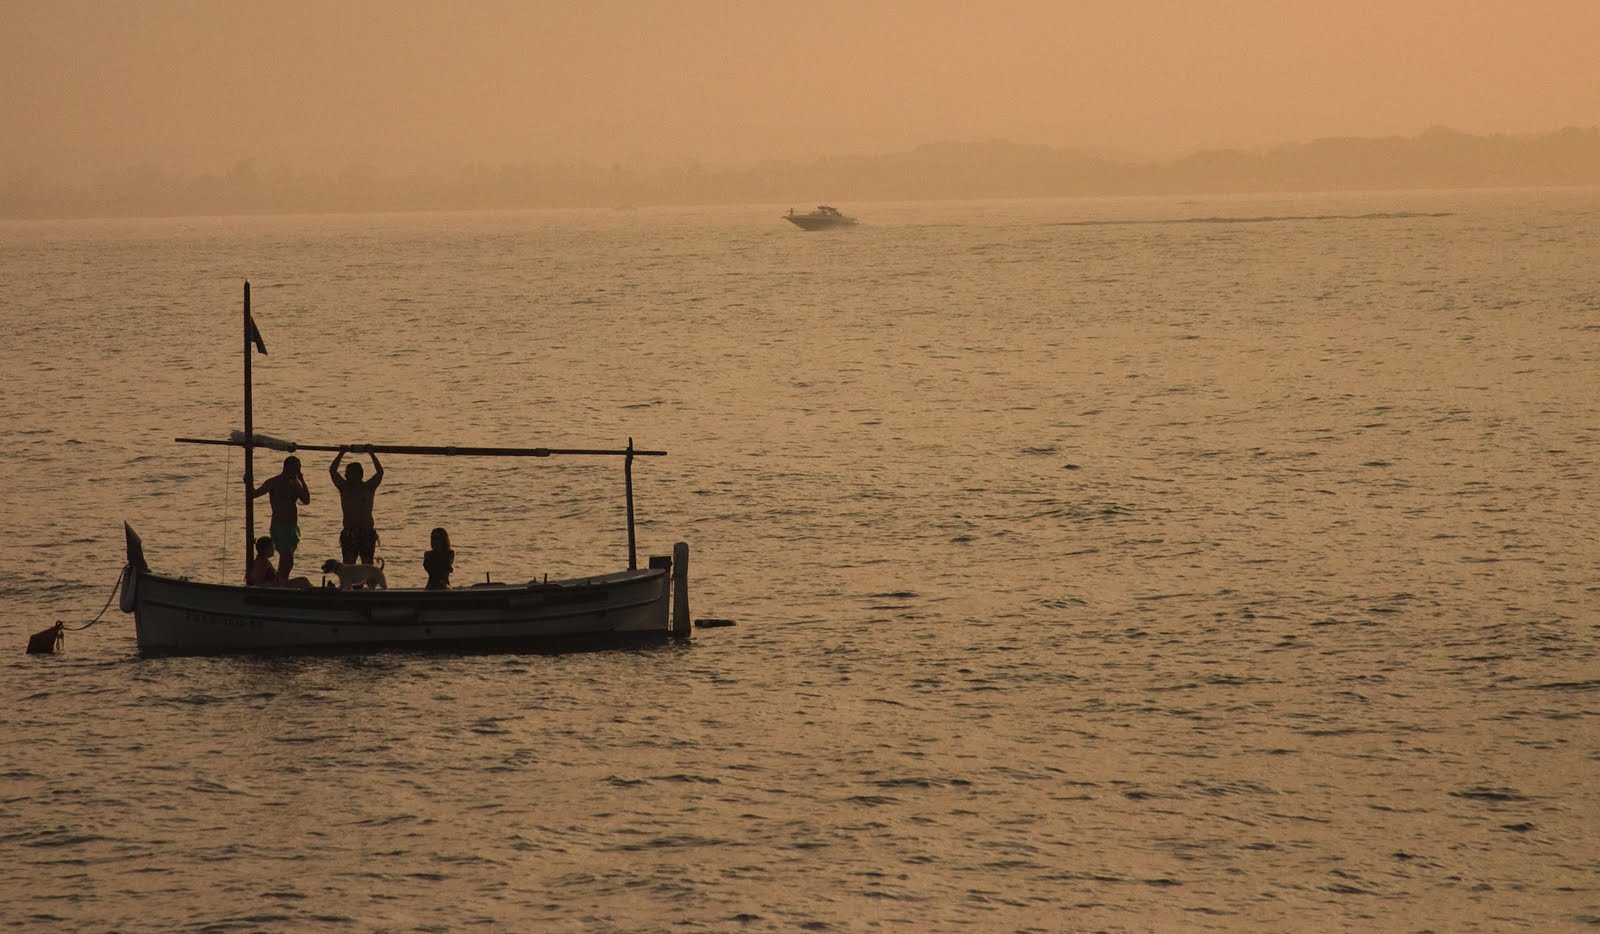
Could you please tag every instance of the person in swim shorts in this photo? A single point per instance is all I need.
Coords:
(285, 492)
(359, 539)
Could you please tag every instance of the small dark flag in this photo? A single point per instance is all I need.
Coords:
(252, 335)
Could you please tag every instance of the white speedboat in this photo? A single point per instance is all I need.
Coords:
(823, 218)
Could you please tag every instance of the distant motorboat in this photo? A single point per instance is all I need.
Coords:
(823, 218)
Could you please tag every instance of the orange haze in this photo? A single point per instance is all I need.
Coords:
(188, 86)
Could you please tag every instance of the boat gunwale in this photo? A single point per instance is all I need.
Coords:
(285, 596)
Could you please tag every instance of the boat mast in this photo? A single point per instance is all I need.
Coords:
(627, 480)
(249, 441)
(249, 447)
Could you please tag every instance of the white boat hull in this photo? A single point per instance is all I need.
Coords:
(807, 222)
(822, 218)
(180, 617)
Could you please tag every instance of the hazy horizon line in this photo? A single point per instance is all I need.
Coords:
(1437, 158)
(1112, 154)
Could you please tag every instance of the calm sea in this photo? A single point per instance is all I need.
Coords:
(1126, 564)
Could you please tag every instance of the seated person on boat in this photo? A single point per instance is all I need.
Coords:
(263, 574)
(439, 560)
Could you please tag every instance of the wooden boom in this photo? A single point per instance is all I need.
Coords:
(444, 450)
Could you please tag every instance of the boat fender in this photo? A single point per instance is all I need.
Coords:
(130, 589)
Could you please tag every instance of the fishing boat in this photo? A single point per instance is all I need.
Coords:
(824, 217)
(177, 616)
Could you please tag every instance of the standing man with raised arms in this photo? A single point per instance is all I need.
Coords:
(359, 537)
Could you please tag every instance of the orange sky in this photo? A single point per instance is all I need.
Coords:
(86, 86)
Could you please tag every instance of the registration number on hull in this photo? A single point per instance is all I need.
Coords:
(221, 619)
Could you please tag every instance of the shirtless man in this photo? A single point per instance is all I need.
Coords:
(360, 536)
(285, 491)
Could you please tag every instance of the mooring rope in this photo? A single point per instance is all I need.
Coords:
(114, 588)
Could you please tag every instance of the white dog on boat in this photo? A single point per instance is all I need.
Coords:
(351, 576)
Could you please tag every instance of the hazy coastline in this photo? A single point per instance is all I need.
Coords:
(1438, 158)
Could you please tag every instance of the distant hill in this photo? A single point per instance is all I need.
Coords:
(1438, 158)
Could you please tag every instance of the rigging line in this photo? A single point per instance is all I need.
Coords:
(114, 588)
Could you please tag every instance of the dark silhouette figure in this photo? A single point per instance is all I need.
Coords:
(439, 560)
(286, 492)
(360, 537)
(262, 574)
